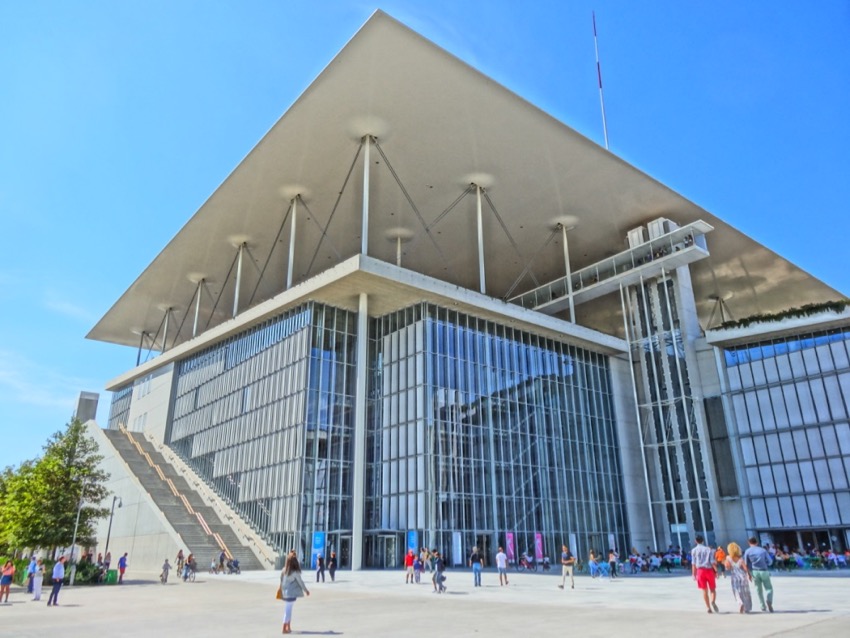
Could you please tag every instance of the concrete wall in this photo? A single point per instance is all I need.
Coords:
(138, 526)
(628, 434)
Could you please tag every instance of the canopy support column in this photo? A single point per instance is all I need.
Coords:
(481, 277)
(165, 330)
(358, 506)
(292, 243)
(569, 273)
(197, 308)
(238, 279)
(364, 230)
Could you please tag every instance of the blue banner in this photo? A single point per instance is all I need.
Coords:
(413, 541)
(318, 548)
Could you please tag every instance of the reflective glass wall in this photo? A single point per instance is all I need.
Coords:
(791, 399)
(266, 418)
(482, 435)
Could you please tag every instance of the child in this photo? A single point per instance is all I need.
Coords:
(417, 569)
(166, 567)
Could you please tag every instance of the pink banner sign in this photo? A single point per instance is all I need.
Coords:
(538, 546)
(509, 546)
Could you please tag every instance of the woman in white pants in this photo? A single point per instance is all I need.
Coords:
(37, 580)
(292, 587)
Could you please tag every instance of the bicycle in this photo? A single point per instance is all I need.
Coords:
(526, 562)
(190, 576)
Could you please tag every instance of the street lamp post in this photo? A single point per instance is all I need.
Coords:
(111, 514)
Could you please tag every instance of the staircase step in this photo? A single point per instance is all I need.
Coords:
(198, 541)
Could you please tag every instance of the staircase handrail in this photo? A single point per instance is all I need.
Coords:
(213, 500)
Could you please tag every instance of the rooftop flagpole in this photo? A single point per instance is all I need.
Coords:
(599, 76)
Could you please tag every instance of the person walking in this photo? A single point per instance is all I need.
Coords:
(720, 558)
(122, 567)
(37, 579)
(502, 567)
(408, 567)
(476, 561)
(320, 567)
(439, 568)
(6, 577)
(427, 560)
(292, 588)
(57, 578)
(332, 566)
(613, 562)
(568, 562)
(739, 574)
(758, 563)
(702, 569)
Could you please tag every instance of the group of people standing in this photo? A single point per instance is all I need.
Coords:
(750, 566)
(35, 579)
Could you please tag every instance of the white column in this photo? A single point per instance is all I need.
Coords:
(364, 231)
(238, 281)
(165, 329)
(569, 274)
(481, 277)
(292, 243)
(197, 309)
(358, 509)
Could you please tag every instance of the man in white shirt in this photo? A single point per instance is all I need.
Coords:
(702, 568)
(502, 567)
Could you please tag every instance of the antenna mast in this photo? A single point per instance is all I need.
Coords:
(599, 76)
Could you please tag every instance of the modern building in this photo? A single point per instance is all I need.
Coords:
(424, 312)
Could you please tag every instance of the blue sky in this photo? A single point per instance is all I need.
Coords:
(118, 119)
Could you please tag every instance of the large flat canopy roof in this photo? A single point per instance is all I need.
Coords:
(439, 125)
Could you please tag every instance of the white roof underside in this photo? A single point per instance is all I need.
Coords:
(441, 125)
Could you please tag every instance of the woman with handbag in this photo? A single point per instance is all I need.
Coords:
(292, 587)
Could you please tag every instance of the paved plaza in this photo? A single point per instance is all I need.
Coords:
(378, 603)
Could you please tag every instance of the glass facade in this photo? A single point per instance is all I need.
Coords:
(266, 418)
(791, 400)
(477, 434)
(482, 435)
(119, 410)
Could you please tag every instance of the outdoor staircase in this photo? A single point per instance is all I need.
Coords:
(196, 522)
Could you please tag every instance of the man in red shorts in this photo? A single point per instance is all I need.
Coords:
(702, 568)
(408, 567)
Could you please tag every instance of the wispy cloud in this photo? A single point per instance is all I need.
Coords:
(26, 382)
(53, 302)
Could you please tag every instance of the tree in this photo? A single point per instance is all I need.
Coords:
(39, 502)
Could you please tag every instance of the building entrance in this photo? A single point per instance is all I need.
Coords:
(388, 551)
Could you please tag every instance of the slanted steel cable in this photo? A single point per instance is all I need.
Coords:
(528, 266)
(319, 226)
(196, 291)
(468, 190)
(510, 239)
(336, 205)
(410, 201)
(271, 251)
(223, 286)
(153, 341)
